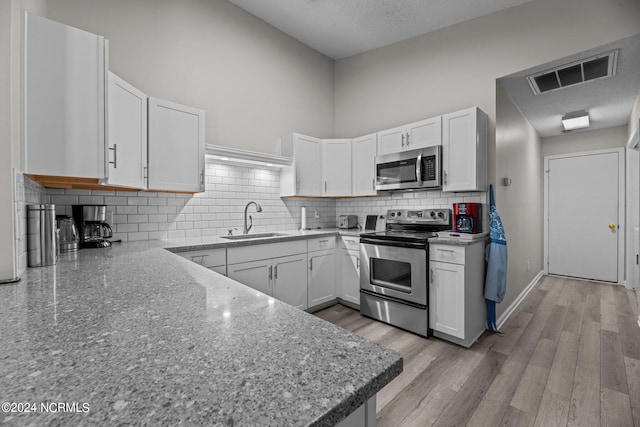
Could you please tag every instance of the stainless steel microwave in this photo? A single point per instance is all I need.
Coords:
(413, 169)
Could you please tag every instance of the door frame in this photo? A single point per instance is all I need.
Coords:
(621, 204)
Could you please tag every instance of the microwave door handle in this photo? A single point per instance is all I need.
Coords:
(419, 169)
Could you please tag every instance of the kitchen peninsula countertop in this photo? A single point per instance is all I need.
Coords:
(134, 334)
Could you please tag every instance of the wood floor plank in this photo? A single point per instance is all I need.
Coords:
(495, 403)
(553, 410)
(430, 408)
(585, 399)
(555, 323)
(629, 331)
(575, 310)
(460, 409)
(516, 417)
(608, 315)
(623, 307)
(632, 367)
(409, 399)
(612, 370)
(512, 332)
(563, 369)
(530, 390)
(592, 307)
(411, 369)
(616, 409)
(589, 346)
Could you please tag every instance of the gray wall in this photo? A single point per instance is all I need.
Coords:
(457, 67)
(254, 82)
(575, 142)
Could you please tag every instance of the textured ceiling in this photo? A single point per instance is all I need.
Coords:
(342, 28)
(609, 100)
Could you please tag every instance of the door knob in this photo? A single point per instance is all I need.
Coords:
(612, 226)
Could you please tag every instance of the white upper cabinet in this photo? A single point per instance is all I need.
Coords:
(336, 167)
(304, 176)
(363, 168)
(464, 150)
(63, 100)
(424, 133)
(176, 147)
(127, 135)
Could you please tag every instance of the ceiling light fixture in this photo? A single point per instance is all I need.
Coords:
(575, 120)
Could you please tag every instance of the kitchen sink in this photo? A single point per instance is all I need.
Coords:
(252, 236)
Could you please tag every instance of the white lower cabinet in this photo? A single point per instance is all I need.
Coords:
(350, 270)
(456, 286)
(283, 276)
(213, 259)
(322, 271)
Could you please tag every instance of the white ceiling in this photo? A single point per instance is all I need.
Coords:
(608, 100)
(343, 28)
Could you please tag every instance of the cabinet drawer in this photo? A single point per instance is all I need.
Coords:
(351, 243)
(247, 253)
(206, 258)
(447, 253)
(321, 243)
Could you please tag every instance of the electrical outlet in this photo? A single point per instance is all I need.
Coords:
(316, 214)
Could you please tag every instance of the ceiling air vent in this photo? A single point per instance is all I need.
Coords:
(584, 70)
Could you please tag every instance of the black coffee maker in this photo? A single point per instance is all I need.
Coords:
(92, 225)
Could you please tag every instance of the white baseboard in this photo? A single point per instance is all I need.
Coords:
(503, 318)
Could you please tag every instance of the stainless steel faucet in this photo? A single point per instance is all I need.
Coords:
(247, 228)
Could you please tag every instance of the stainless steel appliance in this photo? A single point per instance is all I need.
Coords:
(93, 226)
(409, 170)
(347, 221)
(394, 273)
(42, 238)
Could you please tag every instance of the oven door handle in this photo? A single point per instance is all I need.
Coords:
(395, 244)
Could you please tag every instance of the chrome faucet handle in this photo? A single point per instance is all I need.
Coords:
(230, 233)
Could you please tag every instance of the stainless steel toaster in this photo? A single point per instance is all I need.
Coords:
(347, 221)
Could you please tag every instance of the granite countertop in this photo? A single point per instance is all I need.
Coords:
(134, 334)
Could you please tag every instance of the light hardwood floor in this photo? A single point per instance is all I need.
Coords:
(570, 356)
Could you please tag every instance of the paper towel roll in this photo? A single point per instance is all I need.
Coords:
(303, 215)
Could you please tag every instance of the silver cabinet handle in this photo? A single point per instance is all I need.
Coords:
(297, 184)
(444, 175)
(446, 250)
(275, 272)
(408, 140)
(325, 186)
(311, 264)
(431, 276)
(358, 263)
(115, 156)
(373, 184)
(402, 141)
(201, 258)
(270, 272)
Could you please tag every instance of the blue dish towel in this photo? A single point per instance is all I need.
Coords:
(495, 285)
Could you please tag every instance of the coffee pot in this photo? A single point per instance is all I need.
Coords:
(94, 229)
(69, 238)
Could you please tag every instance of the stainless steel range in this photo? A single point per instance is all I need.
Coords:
(394, 274)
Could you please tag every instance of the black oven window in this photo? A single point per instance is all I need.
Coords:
(392, 274)
(397, 172)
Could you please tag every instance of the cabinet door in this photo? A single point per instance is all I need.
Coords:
(336, 167)
(446, 298)
(127, 136)
(464, 151)
(321, 277)
(363, 160)
(425, 133)
(176, 147)
(308, 164)
(255, 274)
(290, 280)
(63, 100)
(350, 268)
(391, 140)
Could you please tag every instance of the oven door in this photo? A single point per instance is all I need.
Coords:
(395, 270)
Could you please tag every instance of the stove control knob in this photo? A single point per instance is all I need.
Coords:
(392, 214)
(440, 215)
(432, 214)
(399, 213)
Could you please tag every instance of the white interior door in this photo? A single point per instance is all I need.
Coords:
(583, 208)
